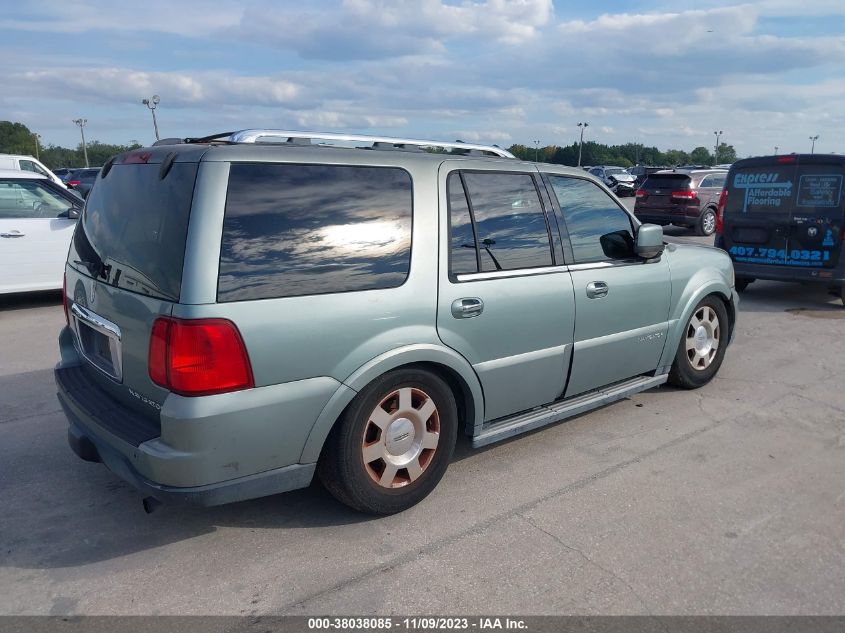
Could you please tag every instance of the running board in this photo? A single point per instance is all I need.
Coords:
(504, 428)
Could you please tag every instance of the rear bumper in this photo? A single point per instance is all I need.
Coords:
(83, 442)
(773, 272)
(678, 217)
(207, 450)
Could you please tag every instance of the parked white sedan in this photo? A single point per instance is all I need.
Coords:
(37, 218)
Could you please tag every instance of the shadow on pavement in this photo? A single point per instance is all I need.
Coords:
(28, 300)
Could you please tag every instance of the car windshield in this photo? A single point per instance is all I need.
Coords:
(615, 170)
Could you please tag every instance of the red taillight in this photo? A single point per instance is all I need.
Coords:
(64, 297)
(74, 183)
(786, 159)
(720, 212)
(641, 193)
(685, 195)
(198, 357)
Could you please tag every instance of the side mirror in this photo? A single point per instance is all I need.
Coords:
(649, 241)
(70, 214)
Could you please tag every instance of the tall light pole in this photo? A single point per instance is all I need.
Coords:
(151, 104)
(81, 123)
(36, 136)
(813, 146)
(716, 149)
(536, 151)
(776, 150)
(583, 127)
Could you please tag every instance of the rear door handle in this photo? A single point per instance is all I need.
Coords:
(12, 234)
(597, 289)
(467, 307)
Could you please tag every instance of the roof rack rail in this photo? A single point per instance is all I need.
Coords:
(379, 142)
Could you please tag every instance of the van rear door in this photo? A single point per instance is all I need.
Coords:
(815, 236)
(757, 216)
(785, 210)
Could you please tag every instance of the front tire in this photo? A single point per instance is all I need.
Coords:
(393, 443)
(702, 345)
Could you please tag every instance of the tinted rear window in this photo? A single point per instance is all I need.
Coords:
(312, 229)
(670, 182)
(133, 231)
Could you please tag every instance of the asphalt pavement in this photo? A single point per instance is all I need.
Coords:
(725, 500)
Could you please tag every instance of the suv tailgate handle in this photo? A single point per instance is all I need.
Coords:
(12, 234)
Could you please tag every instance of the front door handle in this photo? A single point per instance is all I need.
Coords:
(12, 234)
(597, 289)
(467, 308)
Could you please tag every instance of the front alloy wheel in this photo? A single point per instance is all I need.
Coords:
(702, 346)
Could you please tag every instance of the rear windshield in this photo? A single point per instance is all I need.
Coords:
(133, 230)
(675, 182)
(781, 189)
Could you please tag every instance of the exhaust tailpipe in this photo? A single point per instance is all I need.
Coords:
(151, 504)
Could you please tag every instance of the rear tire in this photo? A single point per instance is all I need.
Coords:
(706, 223)
(702, 345)
(393, 443)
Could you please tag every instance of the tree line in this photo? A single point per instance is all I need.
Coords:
(625, 155)
(16, 138)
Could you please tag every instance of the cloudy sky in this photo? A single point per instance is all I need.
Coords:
(661, 72)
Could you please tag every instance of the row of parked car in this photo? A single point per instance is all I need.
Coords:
(78, 179)
(686, 196)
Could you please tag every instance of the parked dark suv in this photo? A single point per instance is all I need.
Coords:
(641, 172)
(781, 218)
(682, 198)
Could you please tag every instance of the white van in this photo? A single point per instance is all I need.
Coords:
(28, 163)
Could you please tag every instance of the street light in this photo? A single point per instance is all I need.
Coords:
(716, 150)
(151, 104)
(36, 136)
(536, 151)
(776, 150)
(813, 146)
(583, 127)
(81, 123)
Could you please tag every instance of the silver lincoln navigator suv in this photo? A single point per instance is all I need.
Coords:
(247, 310)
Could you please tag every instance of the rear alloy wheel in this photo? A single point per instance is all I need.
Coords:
(707, 223)
(393, 443)
(702, 346)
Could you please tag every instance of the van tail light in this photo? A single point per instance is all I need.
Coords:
(685, 195)
(64, 297)
(641, 193)
(73, 183)
(720, 212)
(198, 357)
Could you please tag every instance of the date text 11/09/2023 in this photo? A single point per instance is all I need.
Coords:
(419, 623)
(795, 257)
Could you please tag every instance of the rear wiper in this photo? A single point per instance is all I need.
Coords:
(95, 268)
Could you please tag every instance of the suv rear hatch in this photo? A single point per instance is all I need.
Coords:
(665, 193)
(785, 210)
(124, 270)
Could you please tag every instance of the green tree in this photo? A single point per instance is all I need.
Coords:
(727, 153)
(16, 138)
(701, 156)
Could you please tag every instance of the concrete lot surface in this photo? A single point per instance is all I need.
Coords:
(726, 500)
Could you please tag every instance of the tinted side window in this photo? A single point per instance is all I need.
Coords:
(509, 221)
(295, 230)
(713, 180)
(30, 199)
(462, 246)
(598, 229)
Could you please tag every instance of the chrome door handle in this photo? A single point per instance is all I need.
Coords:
(467, 308)
(12, 234)
(597, 289)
